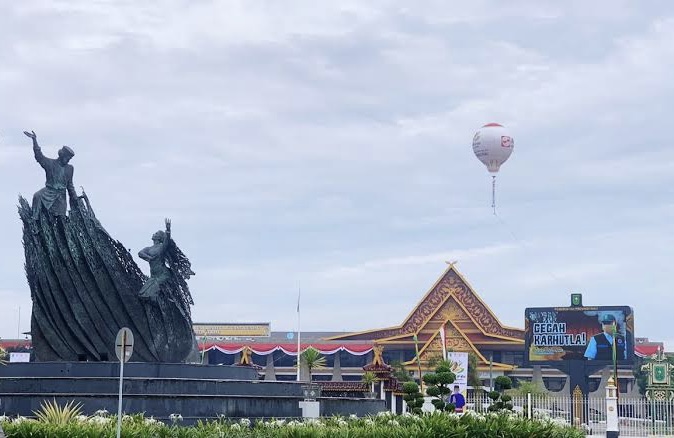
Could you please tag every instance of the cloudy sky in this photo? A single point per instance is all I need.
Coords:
(328, 145)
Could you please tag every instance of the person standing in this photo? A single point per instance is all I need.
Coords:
(600, 346)
(457, 399)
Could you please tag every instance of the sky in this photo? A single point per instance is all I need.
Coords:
(327, 147)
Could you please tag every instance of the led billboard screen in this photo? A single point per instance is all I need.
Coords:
(579, 333)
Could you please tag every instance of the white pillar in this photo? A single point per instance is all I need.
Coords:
(393, 402)
(404, 405)
(612, 430)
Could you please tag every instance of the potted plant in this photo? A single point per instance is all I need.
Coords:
(369, 379)
(314, 361)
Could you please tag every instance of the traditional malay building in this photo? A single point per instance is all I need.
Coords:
(451, 308)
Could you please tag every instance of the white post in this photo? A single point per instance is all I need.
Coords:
(529, 405)
(121, 379)
(299, 363)
(612, 430)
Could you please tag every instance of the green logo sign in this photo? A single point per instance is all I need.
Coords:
(576, 299)
(660, 373)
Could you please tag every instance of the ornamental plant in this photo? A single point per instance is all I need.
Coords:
(501, 400)
(439, 385)
(369, 378)
(314, 360)
(413, 397)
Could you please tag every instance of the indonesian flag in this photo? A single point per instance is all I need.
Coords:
(444, 342)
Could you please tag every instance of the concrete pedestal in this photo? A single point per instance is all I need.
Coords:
(197, 392)
(310, 409)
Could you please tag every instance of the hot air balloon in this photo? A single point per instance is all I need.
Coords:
(493, 144)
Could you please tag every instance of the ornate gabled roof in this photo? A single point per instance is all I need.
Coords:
(453, 304)
(452, 296)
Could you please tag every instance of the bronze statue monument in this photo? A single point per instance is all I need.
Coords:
(59, 175)
(85, 285)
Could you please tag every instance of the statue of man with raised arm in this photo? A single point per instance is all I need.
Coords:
(59, 179)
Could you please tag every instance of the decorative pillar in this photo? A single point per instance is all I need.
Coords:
(270, 371)
(611, 409)
(337, 368)
(578, 407)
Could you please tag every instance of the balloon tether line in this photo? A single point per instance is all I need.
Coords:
(523, 244)
(493, 193)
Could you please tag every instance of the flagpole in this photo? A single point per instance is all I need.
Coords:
(615, 357)
(444, 342)
(416, 347)
(299, 293)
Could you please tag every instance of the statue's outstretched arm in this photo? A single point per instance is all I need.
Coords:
(39, 156)
(165, 244)
(145, 254)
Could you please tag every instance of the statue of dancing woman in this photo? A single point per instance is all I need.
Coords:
(167, 296)
(169, 270)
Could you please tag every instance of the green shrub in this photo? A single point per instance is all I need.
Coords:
(413, 397)
(384, 425)
(439, 385)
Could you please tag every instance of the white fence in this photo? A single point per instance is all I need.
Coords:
(637, 417)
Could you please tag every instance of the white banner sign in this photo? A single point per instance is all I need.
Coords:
(459, 364)
(19, 357)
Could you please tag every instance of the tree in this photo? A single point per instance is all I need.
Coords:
(314, 360)
(473, 374)
(413, 397)
(524, 388)
(369, 379)
(399, 372)
(434, 360)
(501, 400)
(438, 385)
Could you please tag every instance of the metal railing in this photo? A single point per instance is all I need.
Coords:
(637, 417)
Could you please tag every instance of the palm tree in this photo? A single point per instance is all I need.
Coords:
(369, 379)
(314, 360)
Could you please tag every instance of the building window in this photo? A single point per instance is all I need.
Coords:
(347, 360)
(321, 377)
(259, 359)
(330, 360)
(283, 360)
(217, 357)
(351, 378)
(512, 358)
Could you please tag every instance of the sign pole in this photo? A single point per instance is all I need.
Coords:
(123, 350)
(121, 379)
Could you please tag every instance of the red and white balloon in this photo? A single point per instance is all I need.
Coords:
(493, 144)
